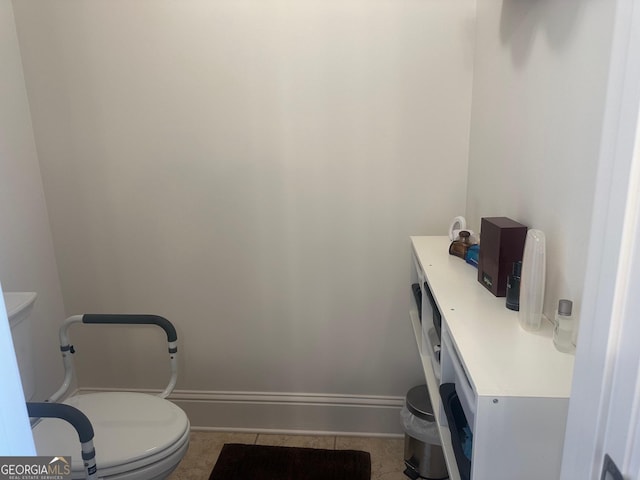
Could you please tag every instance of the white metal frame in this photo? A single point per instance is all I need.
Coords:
(69, 371)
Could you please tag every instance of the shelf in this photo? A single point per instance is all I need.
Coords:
(433, 386)
(513, 385)
(501, 358)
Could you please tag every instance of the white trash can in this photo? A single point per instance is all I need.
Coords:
(423, 455)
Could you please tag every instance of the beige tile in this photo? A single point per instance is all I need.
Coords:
(307, 441)
(204, 448)
(387, 455)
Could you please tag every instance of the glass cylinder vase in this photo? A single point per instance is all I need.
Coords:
(532, 281)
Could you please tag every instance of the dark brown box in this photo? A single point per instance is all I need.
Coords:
(501, 244)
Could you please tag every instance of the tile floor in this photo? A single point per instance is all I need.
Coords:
(204, 447)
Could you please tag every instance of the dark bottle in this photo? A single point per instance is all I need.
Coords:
(513, 287)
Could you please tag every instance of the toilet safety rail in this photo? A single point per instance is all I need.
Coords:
(79, 421)
(115, 319)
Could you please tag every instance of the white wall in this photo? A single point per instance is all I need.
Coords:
(605, 379)
(252, 171)
(27, 261)
(538, 102)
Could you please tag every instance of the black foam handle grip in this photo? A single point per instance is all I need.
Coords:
(133, 319)
(66, 412)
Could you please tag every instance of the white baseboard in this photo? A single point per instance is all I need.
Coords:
(319, 414)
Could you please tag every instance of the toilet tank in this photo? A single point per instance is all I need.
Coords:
(19, 306)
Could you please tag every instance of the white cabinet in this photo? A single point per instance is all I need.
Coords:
(512, 386)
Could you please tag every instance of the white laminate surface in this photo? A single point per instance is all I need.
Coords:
(500, 357)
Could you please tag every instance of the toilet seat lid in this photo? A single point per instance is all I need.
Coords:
(127, 427)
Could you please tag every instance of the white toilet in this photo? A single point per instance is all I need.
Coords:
(137, 436)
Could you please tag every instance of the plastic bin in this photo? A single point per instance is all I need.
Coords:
(423, 457)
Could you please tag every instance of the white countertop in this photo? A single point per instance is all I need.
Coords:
(500, 357)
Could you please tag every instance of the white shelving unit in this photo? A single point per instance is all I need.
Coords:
(434, 396)
(513, 385)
